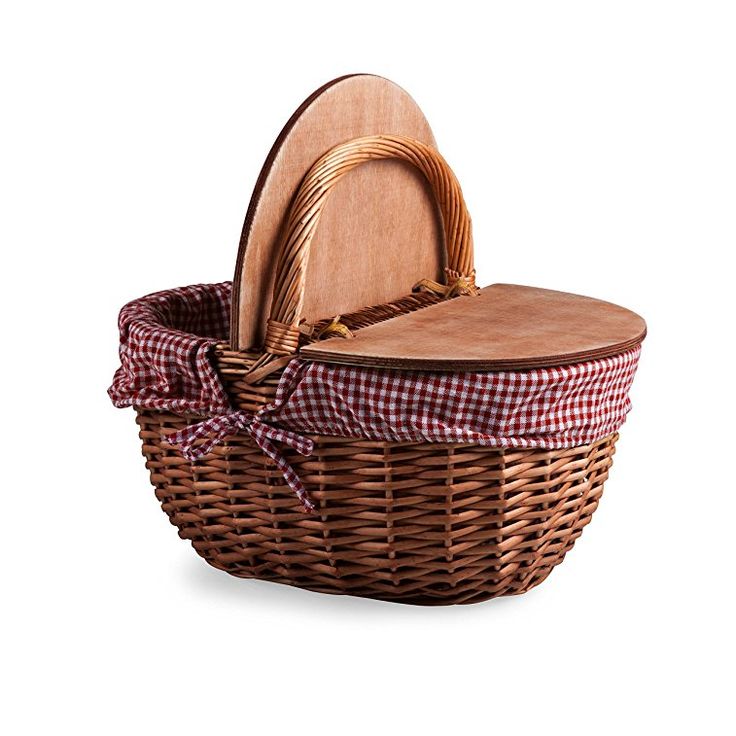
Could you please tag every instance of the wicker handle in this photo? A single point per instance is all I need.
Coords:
(282, 333)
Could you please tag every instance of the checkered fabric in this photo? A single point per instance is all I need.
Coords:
(165, 340)
(546, 407)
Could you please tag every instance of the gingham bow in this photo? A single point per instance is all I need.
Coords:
(214, 430)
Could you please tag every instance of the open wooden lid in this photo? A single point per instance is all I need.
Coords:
(380, 232)
(504, 327)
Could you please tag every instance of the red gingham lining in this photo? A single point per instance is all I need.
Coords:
(546, 407)
(165, 340)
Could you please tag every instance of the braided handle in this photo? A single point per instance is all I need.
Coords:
(282, 333)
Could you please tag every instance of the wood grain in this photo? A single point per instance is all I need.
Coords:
(505, 327)
(380, 232)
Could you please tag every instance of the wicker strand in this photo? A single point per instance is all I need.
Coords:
(281, 339)
(335, 328)
(455, 286)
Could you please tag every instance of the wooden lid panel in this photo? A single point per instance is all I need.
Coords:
(380, 232)
(505, 327)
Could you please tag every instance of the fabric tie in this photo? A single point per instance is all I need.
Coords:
(214, 430)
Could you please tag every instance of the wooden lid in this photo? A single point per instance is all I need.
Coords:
(380, 232)
(505, 327)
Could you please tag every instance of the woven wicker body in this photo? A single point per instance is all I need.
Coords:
(419, 523)
(422, 523)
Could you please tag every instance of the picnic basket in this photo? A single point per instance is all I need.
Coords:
(425, 522)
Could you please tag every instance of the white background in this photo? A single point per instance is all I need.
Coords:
(596, 147)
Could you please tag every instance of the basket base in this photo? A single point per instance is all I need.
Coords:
(458, 595)
(419, 523)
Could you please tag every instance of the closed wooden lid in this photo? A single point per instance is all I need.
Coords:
(504, 327)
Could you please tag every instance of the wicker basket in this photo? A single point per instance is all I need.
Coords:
(422, 523)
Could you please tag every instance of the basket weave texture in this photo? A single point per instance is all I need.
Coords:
(414, 522)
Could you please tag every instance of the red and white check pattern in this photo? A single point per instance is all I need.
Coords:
(548, 407)
(165, 340)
